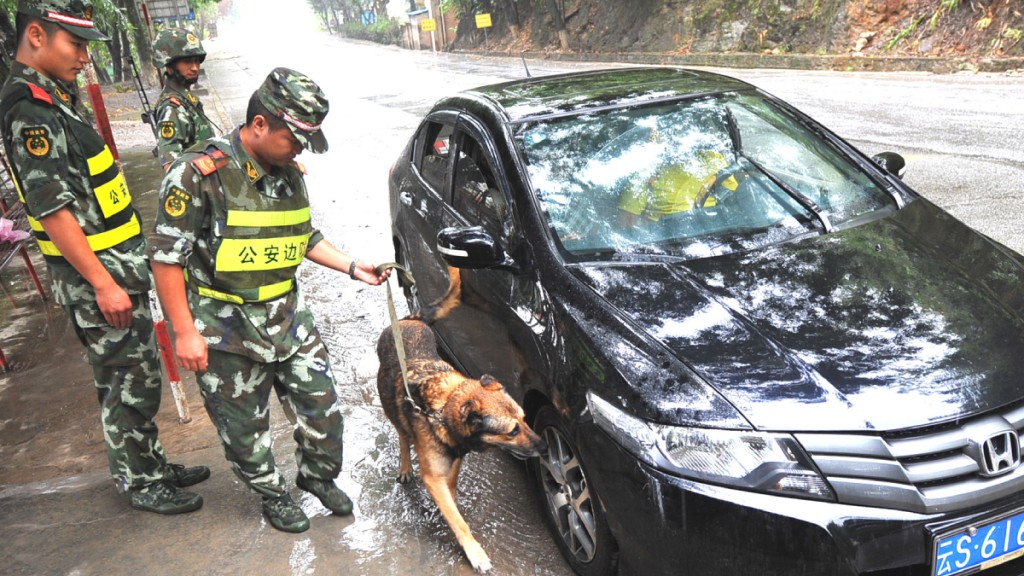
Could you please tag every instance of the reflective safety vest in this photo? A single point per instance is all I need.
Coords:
(262, 241)
(120, 221)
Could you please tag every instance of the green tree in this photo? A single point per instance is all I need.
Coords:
(322, 9)
(138, 31)
(206, 15)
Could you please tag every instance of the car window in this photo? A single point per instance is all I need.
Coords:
(433, 144)
(477, 196)
(691, 178)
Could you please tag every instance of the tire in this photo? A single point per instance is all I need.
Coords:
(571, 507)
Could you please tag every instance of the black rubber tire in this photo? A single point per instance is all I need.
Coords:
(578, 524)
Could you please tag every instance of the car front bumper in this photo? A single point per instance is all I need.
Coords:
(667, 524)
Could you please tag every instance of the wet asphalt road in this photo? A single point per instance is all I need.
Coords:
(60, 515)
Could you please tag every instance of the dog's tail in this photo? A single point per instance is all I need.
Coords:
(443, 306)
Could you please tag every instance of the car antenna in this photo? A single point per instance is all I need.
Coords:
(525, 66)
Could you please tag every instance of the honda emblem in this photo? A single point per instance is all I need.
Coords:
(1000, 454)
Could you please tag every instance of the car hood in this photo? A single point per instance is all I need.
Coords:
(906, 321)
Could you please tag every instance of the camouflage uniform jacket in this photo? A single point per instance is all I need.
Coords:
(193, 216)
(181, 121)
(46, 145)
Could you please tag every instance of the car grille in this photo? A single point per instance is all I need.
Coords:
(927, 471)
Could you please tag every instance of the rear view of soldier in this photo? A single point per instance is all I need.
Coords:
(181, 121)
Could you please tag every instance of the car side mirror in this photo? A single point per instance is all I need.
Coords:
(473, 248)
(891, 162)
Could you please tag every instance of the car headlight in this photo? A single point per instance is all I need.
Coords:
(744, 459)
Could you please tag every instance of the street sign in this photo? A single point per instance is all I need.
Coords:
(428, 24)
(483, 20)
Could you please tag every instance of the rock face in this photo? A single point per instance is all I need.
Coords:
(982, 28)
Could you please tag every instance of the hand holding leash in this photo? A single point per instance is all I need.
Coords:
(369, 273)
(404, 276)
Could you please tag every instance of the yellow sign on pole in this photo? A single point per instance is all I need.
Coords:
(428, 24)
(483, 20)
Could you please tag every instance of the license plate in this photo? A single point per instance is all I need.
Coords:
(976, 548)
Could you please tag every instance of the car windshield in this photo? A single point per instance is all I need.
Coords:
(691, 178)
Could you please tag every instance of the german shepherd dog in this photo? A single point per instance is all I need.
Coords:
(448, 414)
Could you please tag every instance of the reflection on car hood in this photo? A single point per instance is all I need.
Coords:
(902, 322)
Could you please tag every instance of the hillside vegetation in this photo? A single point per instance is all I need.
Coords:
(927, 28)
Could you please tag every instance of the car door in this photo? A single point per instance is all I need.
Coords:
(503, 317)
(423, 205)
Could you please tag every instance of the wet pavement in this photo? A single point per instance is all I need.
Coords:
(59, 511)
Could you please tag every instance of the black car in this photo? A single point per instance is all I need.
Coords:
(750, 348)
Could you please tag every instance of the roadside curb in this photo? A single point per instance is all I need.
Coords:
(844, 62)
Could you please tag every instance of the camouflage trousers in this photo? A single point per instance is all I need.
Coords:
(236, 391)
(126, 369)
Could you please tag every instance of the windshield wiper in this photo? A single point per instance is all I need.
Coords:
(801, 199)
(734, 132)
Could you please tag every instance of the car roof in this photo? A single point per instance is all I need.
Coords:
(576, 92)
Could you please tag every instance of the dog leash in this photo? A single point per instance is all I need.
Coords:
(396, 331)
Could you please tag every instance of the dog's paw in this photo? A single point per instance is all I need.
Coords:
(478, 558)
(404, 477)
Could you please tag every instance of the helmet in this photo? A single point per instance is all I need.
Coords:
(174, 44)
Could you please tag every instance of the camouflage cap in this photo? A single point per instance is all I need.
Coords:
(75, 16)
(174, 44)
(296, 99)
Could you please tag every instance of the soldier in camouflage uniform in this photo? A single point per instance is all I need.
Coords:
(233, 227)
(82, 217)
(181, 121)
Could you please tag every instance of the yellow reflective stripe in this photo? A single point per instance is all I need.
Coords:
(18, 188)
(267, 292)
(113, 196)
(237, 255)
(48, 248)
(274, 290)
(101, 241)
(218, 295)
(268, 217)
(35, 225)
(100, 162)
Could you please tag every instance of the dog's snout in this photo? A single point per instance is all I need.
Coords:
(542, 447)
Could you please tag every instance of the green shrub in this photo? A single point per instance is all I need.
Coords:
(383, 31)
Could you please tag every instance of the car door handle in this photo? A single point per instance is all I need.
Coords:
(405, 198)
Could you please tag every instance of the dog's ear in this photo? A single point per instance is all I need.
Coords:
(469, 412)
(490, 382)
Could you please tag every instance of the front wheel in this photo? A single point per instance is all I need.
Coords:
(571, 507)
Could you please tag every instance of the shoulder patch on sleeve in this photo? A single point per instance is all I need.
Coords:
(167, 130)
(177, 202)
(37, 141)
(174, 100)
